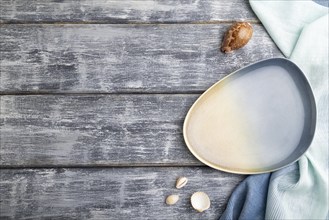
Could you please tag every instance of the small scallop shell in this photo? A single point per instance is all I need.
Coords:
(237, 36)
(172, 199)
(181, 182)
(200, 201)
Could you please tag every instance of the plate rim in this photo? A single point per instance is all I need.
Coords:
(237, 171)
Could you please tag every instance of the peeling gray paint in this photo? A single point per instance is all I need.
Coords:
(113, 193)
(121, 58)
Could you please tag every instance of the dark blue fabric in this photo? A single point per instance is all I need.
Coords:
(248, 201)
(322, 2)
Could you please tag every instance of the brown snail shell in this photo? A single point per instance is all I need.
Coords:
(237, 36)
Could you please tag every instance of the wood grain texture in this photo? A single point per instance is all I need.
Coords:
(123, 55)
(124, 11)
(113, 193)
(121, 58)
(90, 130)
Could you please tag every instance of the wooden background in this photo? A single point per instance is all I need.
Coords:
(93, 98)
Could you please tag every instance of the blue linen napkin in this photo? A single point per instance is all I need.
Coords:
(248, 201)
(300, 191)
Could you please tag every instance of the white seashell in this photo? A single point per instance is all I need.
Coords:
(200, 201)
(181, 182)
(172, 199)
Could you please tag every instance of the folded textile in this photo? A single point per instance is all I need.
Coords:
(248, 201)
(300, 191)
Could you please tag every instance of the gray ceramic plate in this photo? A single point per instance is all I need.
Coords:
(256, 120)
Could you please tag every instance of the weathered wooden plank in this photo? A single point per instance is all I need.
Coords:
(121, 58)
(89, 130)
(115, 193)
(124, 11)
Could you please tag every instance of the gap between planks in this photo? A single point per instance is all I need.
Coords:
(29, 93)
(84, 166)
(4, 23)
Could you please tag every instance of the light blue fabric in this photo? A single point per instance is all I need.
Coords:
(300, 191)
